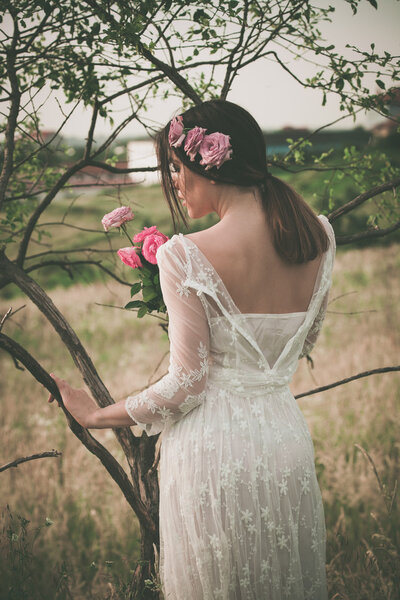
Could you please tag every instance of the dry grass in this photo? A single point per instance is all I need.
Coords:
(92, 544)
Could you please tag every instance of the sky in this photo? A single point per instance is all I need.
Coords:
(268, 92)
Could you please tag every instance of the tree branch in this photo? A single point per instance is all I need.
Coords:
(361, 198)
(67, 264)
(125, 170)
(323, 388)
(366, 235)
(109, 462)
(18, 461)
(169, 71)
(89, 139)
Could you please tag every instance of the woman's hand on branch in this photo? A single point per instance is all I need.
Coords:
(78, 403)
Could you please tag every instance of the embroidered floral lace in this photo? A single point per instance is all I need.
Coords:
(241, 515)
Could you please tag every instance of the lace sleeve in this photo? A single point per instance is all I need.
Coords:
(315, 328)
(183, 387)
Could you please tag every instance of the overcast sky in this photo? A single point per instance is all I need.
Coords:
(268, 92)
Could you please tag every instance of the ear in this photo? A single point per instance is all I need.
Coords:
(212, 181)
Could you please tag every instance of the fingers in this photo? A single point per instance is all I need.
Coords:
(60, 383)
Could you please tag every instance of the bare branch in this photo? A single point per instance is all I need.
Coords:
(114, 134)
(361, 198)
(5, 317)
(10, 313)
(18, 461)
(89, 139)
(70, 251)
(323, 388)
(366, 235)
(67, 265)
(111, 169)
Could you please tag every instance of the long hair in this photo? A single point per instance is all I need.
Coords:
(298, 235)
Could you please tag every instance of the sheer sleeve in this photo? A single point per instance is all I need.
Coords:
(315, 328)
(183, 387)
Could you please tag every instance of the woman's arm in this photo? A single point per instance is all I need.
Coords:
(183, 388)
(84, 409)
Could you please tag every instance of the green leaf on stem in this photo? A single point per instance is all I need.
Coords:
(135, 289)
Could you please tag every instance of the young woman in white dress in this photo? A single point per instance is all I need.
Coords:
(241, 515)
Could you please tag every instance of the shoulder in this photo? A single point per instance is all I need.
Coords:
(329, 230)
(172, 254)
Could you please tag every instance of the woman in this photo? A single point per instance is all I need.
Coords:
(241, 515)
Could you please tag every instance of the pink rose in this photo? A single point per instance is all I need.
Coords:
(151, 244)
(176, 135)
(215, 149)
(129, 257)
(117, 217)
(139, 237)
(193, 140)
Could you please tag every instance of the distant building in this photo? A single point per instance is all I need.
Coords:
(322, 141)
(100, 177)
(141, 153)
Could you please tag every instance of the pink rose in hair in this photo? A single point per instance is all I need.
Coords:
(117, 217)
(139, 237)
(129, 257)
(151, 244)
(193, 140)
(176, 135)
(215, 149)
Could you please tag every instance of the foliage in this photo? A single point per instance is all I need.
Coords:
(149, 287)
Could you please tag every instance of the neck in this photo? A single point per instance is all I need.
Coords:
(235, 202)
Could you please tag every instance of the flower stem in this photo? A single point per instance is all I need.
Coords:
(123, 227)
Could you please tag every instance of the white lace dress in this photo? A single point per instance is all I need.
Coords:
(241, 515)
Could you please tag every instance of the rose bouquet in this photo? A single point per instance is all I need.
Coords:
(141, 255)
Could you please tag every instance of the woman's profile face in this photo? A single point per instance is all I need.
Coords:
(196, 192)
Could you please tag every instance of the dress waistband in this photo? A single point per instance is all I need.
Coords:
(240, 380)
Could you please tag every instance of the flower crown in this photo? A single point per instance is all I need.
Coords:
(214, 149)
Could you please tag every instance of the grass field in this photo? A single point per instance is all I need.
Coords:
(66, 531)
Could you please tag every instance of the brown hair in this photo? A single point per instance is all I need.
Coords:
(298, 234)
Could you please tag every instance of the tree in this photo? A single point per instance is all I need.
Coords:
(96, 51)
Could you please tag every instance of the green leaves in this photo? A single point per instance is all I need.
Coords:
(135, 289)
(149, 286)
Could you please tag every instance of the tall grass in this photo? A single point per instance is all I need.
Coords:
(66, 531)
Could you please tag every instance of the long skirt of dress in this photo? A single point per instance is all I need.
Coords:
(241, 514)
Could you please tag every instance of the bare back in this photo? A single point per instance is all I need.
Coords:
(256, 277)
